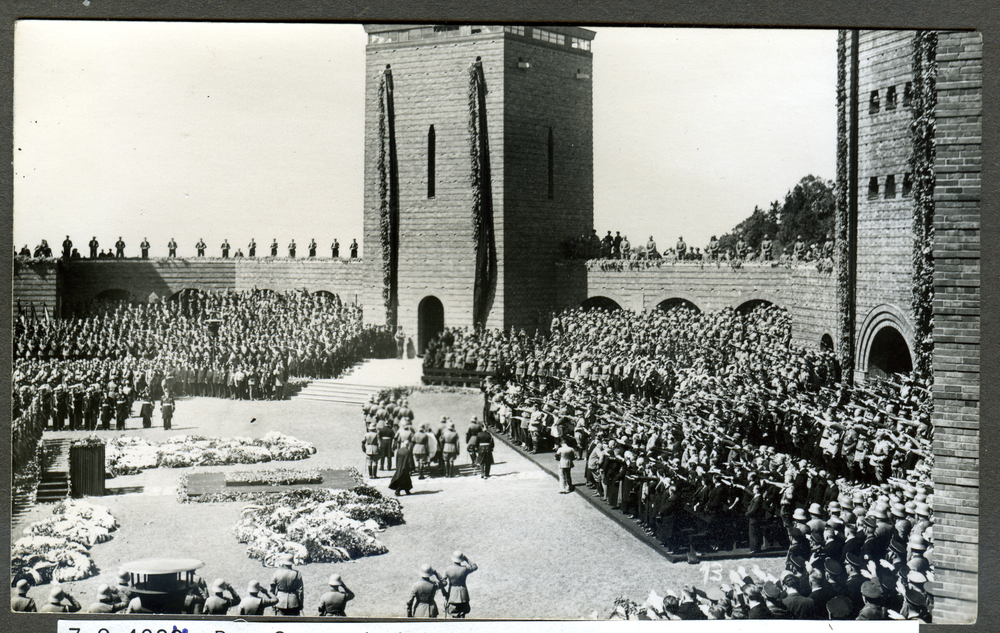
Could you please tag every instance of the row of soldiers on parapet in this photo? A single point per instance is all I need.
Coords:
(44, 251)
(619, 247)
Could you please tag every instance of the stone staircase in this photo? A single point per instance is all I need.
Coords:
(363, 380)
(54, 484)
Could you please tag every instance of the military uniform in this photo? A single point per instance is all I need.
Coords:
(455, 577)
(421, 603)
(287, 587)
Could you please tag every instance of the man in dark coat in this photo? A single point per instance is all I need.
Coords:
(401, 480)
(688, 607)
(119, 248)
(801, 607)
(93, 247)
(167, 411)
(484, 456)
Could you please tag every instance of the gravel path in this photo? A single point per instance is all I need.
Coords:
(541, 554)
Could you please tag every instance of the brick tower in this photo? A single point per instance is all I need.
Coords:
(478, 167)
(909, 166)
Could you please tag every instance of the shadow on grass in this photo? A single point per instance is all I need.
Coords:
(422, 492)
(124, 490)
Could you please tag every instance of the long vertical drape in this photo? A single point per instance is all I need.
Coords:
(482, 208)
(388, 173)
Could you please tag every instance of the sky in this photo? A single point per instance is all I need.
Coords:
(232, 131)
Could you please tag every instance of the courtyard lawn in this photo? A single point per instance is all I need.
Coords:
(541, 554)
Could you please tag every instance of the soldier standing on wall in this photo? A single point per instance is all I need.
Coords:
(119, 248)
(172, 248)
(291, 249)
(274, 247)
(354, 249)
(201, 247)
(312, 248)
(93, 248)
(681, 248)
(765, 248)
(225, 249)
(144, 247)
(335, 249)
(616, 246)
(67, 247)
(252, 248)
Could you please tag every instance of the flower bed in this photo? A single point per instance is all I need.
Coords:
(57, 549)
(317, 525)
(277, 477)
(131, 455)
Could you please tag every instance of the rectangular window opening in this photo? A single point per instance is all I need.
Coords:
(873, 103)
(873, 187)
(890, 186)
(431, 147)
(552, 183)
(890, 98)
(907, 185)
(908, 94)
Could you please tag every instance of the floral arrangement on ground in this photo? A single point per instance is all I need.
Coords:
(57, 549)
(317, 526)
(276, 477)
(131, 455)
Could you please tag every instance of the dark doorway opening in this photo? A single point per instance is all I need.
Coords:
(430, 321)
(826, 343)
(677, 302)
(600, 303)
(113, 295)
(753, 304)
(889, 354)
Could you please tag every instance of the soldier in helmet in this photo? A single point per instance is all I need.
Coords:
(20, 601)
(458, 594)
(60, 602)
(274, 247)
(333, 602)
(105, 602)
(765, 248)
(287, 587)
(421, 603)
(255, 603)
(370, 445)
(218, 603)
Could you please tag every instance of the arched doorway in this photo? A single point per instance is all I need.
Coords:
(430, 321)
(676, 302)
(749, 306)
(600, 303)
(889, 354)
(826, 343)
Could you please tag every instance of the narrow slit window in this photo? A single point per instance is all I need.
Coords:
(907, 185)
(890, 98)
(431, 142)
(873, 187)
(873, 103)
(908, 94)
(890, 186)
(552, 182)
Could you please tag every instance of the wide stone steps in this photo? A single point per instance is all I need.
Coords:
(54, 484)
(363, 380)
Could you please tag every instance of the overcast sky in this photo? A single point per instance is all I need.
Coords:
(211, 130)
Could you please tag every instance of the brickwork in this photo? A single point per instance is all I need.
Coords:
(885, 220)
(958, 166)
(809, 295)
(38, 284)
(84, 280)
(436, 246)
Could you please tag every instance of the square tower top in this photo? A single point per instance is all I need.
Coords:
(572, 38)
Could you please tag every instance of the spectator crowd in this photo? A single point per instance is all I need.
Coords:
(618, 251)
(69, 252)
(713, 432)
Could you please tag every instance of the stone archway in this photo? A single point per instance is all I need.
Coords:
(600, 303)
(749, 306)
(677, 302)
(885, 344)
(430, 321)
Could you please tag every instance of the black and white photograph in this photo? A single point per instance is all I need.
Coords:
(495, 321)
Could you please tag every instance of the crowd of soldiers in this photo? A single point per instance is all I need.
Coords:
(83, 372)
(69, 252)
(618, 247)
(713, 432)
(284, 597)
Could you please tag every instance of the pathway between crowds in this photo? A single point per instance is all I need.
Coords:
(541, 554)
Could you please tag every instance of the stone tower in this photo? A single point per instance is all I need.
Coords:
(478, 168)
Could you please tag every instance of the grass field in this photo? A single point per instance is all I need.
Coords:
(540, 554)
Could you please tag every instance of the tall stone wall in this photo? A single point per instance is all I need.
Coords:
(957, 201)
(885, 210)
(436, 246)
(808, 294)
(555, 93)
(84, 280)
(37, 284)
